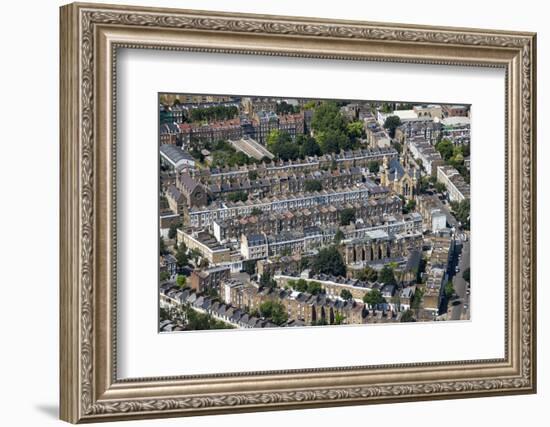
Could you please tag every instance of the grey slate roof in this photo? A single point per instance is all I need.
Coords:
(174, 153)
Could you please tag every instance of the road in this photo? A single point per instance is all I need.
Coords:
(457, 311)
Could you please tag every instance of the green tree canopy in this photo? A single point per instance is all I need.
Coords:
(369, 274)
(449, 290)
(274, 310)
(173, 231)
(217, 112)
(332, 141)
(256, 211)
(391, 124)
(327, 116)
(407, 316)
(440, 187)
(237, 196)
(462, 212)
(286, 108)
(355, 130)
(387, 275)
(315, 288)
(339, 236)
(329, 261)
(310, 147)
(281, 145)
(249, 266)
(374, 166)
(266, 279)
(445, 148)
(374, 297)
(347, 216)
(252, 175)
(181, 280)
(311, 185)
(345, 294)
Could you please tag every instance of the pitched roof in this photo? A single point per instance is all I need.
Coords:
(187, 182)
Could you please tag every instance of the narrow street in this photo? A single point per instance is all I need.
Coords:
(462, 309)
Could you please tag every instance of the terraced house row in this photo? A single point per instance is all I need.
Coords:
(298, 219)
(299, 306)
(257, 127)
(204, 216)
(284, 182)
(387, 240)
(345, 159)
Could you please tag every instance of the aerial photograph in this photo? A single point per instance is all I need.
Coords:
(279, 212)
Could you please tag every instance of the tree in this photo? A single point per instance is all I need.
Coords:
(345, 294)
(445, 148)
(304, 263)
(329, 261)
(373, 298)
(238, 196)
(409, 206)
(440, 187)
(173, 232)
(466, 274)
(252, 175)
(274, 310)
(338, 318)
(327, 116)
(310, 105)
(332, 141)
(256, 211)
(249, 266)
(181, 256)
(369, 274)
(281, 145)
(462, 212)
(355, 130)
(374, 166)
(164, 276)
(312, 185)
(278, 314)
(315, 288)
(417, 298)
(391, 124)
(299, 285)
(424, 184)
(267, 280)
(181, 281)
(162, 246)
(286, 108)
(310, 147)
(398, 147)
(449, 290)
(339, 236)
(407, 316)
(217, 112)
(387, 275)
(347, 216)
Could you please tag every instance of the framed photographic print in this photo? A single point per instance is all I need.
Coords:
(267, 212)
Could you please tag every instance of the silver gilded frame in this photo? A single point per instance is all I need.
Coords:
(90, 37)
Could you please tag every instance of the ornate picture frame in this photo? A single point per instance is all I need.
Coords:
(90, 37)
